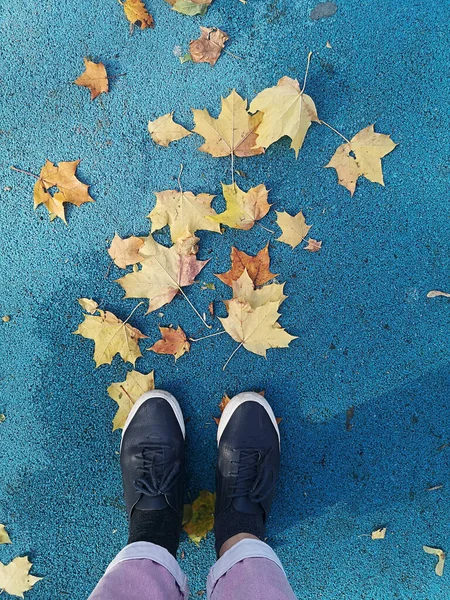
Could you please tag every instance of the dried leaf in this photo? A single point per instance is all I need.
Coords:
(208, 47)
(183, 211)
(111, 336)
(294, 229)
(232, 132)
(164, 130)
(4, 537)
(88, 305)
(137, 14)
(6, 318)
(174, 341)
(94, 78)
(243, 290)
(187, 513)
(190, 7)
(379, 534)
(164, 271)
(435, 293)
(125, 251)
(70, 188)
(257, 267)
(243, 208)
(439, 569)
(361, 157)
(287, 111)
(313, 245)
(202, 520)
(225, 399)
(127, 392)
(15, 578)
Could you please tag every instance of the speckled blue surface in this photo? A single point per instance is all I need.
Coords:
(368, 336)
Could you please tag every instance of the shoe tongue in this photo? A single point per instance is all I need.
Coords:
(151, 503)
(244, 505)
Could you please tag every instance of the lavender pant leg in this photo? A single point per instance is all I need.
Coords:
(142, 571)
(250, 569)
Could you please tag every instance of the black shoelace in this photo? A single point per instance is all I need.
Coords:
(159, 471)
(254, 477)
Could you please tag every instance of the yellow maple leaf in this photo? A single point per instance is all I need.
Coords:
(174, 341)
(361, 157)
(183, 211)
(164, 271)
(125, 251)
(243, 208)
(137, 14)
(88, 305)
(15, 578)
(125, 393)
(255, 329)
(94, 78)
(208, 47)
(243, 289)
(4, 537)
(202, 517)
(287, 111)
(190, 7)
(70, 188)
(294, 229)
(233, 132)
(111, 336)
(164, 130)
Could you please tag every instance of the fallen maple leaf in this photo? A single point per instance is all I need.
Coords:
(226, 399)
(94, 77)
(257, 267)
(243, 208)
(174, 341)
(435, 293)
(208, 47)
(202, 520)
(125, 393)
(183, 211)
(88, 305)
(70, 188)
(233, 132)
(244, 291)
(164, 130)
(439, 569)
(111, 336)
(190, 7)
(137, 14)
(361, 157)
(125, 251)
(379, 534)
(164, 271)
(4, 537)
(294, 228)
(287, 111)
(15, 578)
(313, 245)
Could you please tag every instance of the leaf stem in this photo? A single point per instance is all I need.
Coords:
(194, 309)
(306, 72)
(179, 179)
(25, 172)
(206, 336)
(231, 356)
(132, 312)
(335, 131)
(269, 230)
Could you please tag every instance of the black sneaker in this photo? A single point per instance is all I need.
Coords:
(247, 467)
(152, 459)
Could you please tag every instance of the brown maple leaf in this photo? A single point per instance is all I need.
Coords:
(94, 78)
(257, 267)
(174, 341)
(208, 47)
(313, 245)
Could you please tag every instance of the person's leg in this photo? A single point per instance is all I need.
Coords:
(247, 468)
(152, 463)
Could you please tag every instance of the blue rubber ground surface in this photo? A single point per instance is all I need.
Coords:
(368, 336)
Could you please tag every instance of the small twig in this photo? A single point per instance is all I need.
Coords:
(306, 72)
(233, 55)
(269, 230)
(232, 354)
(115, 76)
(206, 336)
(179, 179)
(26, 173)
(335, 131)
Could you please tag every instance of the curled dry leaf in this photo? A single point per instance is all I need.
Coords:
(439, 569)
(125, 251)
(174, 341)
(208, 47)
(243, 208)
(202, 520)
(15, 578)
(190, 7)
(94, 78)
(70, 188)
(111, 336)
(435, 293)
(164, 130)
(257, 267)
(313, 245)
(379, 534)
(88, 305)
(127, 392)
(183, 211)
(294, 229)
(361, 157)
(4, 537)
(233, 132)
(287, 111)
(211, 308)
(137, 14)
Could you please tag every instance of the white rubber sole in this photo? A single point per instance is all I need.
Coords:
(236, 401)
(156, 394)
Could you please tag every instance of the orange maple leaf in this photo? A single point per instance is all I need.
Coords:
(257, 267)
